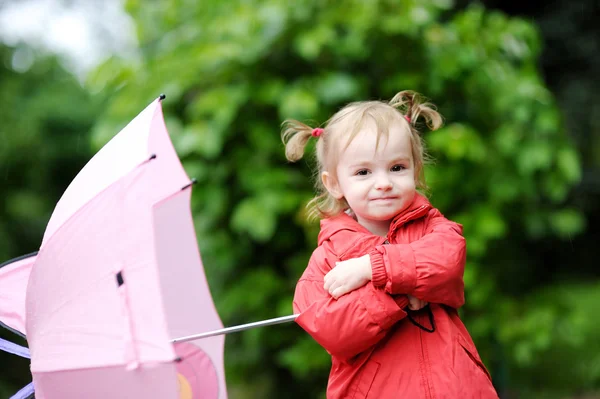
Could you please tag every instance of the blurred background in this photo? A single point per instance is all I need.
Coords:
(517, 163)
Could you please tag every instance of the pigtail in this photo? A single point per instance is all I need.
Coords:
(295, 136)
(412, 106)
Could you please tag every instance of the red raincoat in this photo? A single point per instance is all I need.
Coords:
(376, 351)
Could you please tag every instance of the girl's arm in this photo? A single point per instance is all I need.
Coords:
(349, 325)
(430, 268)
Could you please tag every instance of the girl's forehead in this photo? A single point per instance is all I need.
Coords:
(370, 142)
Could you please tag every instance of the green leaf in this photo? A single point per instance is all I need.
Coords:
(567, 222)
(252, 216)
(533, 156)
(335, 87)
(310, 43)
(298, 103)
(568, 164)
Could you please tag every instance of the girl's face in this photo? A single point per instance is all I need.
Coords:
(378, 182)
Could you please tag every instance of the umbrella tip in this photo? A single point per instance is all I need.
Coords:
(162, 96)
(194, 181)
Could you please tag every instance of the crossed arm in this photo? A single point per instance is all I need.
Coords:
(430, 269)
(350, 307)
(348, 325)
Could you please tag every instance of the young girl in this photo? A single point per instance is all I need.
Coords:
(381, 290)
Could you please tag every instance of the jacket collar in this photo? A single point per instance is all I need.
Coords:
(349, 239)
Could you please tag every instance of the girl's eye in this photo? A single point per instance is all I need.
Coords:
(398, 168)
(362, 172)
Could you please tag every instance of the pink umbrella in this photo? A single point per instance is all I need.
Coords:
(14, 275)
(118, 278)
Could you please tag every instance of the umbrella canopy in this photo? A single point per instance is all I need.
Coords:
(119, 276)
(14, 275)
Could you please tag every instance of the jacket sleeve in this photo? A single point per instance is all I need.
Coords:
(430, 268)
(351, 324)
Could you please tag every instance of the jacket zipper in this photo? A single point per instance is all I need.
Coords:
(425, 370)
(417, 213)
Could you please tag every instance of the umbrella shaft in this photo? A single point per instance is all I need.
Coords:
(241, 327)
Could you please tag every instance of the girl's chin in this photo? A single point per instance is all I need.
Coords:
(378, 219)
(385, 215)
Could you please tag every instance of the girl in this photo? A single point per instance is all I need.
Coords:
(381, 290)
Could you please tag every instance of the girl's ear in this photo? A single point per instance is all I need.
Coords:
(332, 186)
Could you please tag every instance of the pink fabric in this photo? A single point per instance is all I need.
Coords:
(196, 372)
(122, 214)
(188, 302)
(13, 284)
(150, 381)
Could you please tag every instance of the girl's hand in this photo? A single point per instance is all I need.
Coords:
(415, 303)
(348, 275)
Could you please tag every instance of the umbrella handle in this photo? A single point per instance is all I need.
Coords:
(242, 327)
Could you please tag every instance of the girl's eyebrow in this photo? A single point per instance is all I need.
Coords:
(361, 163)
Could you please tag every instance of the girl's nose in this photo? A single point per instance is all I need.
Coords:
(383, 182)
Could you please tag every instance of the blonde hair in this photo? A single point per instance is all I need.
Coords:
(406, 107)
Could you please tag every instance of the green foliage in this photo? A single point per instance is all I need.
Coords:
(46, 116)
(233, 72)
(556, 327)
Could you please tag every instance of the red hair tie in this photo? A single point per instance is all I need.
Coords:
(407, 118)
(317, 132)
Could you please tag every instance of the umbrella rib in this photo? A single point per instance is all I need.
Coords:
(191, 183)
(17, 259)
(89, 201)
(13, 330)
(242, 327)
